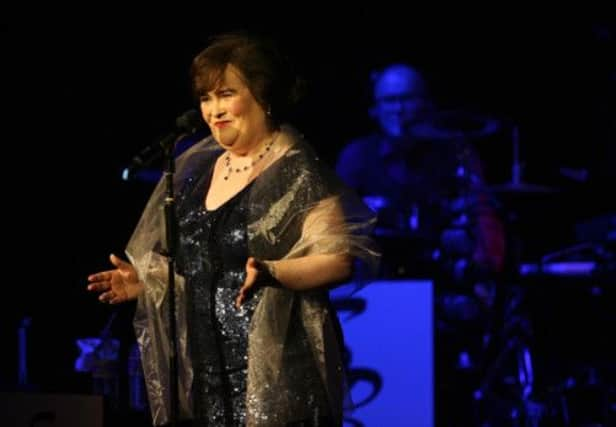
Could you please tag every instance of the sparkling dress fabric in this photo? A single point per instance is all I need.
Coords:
(277, 361)
(214, 251)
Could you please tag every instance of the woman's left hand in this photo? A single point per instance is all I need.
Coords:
(253, 270)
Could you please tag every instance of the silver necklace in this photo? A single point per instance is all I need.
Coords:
(230, 169)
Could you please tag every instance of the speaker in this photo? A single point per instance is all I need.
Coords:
(47, 410)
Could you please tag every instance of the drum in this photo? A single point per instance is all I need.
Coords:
(406, 243)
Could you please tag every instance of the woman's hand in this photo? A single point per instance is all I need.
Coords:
(252, 273)
(119, 285)
(256, 273)
(297, 274)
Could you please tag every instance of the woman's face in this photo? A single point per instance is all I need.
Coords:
(235, 118)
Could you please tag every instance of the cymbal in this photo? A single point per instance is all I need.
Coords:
(522, 188)
(455, 124)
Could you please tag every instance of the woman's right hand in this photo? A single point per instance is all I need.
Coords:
(119, 285)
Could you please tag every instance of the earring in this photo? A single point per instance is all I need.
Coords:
(269, 111)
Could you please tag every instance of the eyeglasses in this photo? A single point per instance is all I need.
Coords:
(403, 98)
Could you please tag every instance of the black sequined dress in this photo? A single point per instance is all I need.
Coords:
(215, 248)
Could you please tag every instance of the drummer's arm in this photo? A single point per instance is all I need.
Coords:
(489, 252)
(349, 165)
(490, 248)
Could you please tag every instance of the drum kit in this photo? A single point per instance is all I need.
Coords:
(535, 353)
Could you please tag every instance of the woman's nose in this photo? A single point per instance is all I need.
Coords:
(216, 109)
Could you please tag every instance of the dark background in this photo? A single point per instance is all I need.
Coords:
(88, 89)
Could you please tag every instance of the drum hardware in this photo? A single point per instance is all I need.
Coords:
(510, 382)
(584, 400)
(568, 399)
(470, 333)
(567, 268)
(393, 220)
(506, 393)
(517, 184)
(580, 250)
(99, 356)
(583, 260)
(448, 125)
(23, 343)
(578, 175)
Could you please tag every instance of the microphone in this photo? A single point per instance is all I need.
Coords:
(187, 124)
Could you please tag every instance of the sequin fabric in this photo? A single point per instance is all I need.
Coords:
(213, 257)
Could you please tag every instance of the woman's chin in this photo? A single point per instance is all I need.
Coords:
(227, 137)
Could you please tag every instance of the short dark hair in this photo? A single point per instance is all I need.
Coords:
(266, 71)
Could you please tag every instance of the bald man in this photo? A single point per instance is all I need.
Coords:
(416, 183)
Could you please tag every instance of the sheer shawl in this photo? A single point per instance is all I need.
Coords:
(298, 207)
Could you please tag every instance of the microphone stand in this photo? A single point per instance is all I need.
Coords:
(170, 250)
(186, 124)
